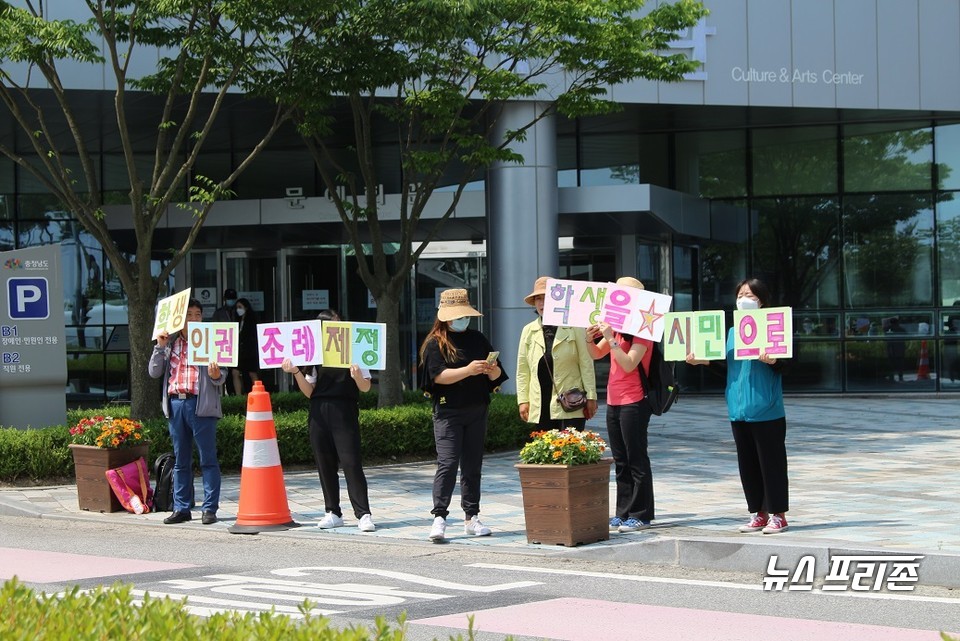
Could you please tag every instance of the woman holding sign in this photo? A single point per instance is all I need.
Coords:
(334, 421)
(628, 416)
(551, 360)
(755, 405)
(460, 369)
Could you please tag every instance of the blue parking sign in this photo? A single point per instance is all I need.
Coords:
(28, 298)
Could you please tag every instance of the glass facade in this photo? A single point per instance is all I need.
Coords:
(854, 224)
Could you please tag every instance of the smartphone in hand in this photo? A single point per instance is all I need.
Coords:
(492, 357)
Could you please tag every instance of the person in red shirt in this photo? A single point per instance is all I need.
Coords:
(628, 415)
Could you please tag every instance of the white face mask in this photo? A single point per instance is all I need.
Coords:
(460, 324)
(747, 303)
(241, 311)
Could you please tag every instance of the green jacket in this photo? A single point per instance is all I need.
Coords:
(572, 367)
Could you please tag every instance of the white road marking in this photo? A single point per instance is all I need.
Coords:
(229, 604)
(410, 578)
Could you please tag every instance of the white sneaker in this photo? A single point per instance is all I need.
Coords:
(330, 521)
(439, 530)
(366, 524)
(474, 527)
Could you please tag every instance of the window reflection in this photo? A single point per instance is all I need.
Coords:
(797, 160)
(887, 157)
(948, 248)
(887, 250)
(796, 250)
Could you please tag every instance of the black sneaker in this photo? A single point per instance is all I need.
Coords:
(177, 517)
(208, 518)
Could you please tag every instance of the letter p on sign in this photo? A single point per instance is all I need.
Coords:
(27, 299)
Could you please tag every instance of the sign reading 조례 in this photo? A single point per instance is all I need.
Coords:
(297, 340)
(33, 360)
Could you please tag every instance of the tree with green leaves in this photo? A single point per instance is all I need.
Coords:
(423, 81)
(196, 52)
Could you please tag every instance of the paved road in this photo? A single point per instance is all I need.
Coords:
(866, 474)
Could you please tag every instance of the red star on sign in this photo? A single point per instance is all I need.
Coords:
(649, 318)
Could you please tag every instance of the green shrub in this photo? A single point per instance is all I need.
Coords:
(109, 613)
(405, 431)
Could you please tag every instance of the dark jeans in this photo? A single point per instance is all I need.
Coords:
(762, 455)
(185, 429)
(335, 439)
(459, 435)
(562, 423)
(627, 433)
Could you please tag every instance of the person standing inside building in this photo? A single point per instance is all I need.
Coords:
(247, 371)
(628, 416)
(758, 419)
(334, 421)
(226, 314)
(460, 370)
(191, 403)
(551, 360)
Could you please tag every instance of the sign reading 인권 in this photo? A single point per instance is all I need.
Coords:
(213, 343)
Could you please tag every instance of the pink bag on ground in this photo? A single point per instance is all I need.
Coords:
(131, 485)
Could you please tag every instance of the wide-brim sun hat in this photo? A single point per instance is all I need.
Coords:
(630, 281)
(539, 289)
(454, 304)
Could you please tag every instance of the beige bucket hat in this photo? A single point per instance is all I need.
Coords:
(630, 281)
(455, 303)
(539, 289)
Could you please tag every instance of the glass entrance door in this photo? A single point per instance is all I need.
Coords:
(254, 276)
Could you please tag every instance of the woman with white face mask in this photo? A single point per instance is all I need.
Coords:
(755, 404)
(459, 377)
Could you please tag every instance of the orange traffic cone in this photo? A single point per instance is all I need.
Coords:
(923, 366)
(263, 496)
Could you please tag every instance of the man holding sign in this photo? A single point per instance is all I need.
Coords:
(755, 404)
(191, 403)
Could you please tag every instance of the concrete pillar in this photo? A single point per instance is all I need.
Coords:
(521, 225)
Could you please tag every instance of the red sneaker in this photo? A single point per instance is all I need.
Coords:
(777, 524)
(758, 522)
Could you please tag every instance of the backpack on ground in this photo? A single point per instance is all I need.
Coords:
(163, 473)
(660, 388)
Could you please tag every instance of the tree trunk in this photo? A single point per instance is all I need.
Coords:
(145, 392)
(390, 390)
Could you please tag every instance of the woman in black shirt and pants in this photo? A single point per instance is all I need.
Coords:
(334, 418)
(459, 378)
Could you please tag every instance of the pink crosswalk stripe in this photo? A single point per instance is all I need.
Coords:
(589, 620)
(50, 567)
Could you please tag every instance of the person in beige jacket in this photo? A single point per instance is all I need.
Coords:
(551, 360)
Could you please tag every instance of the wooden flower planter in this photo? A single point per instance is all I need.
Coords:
(91, 463)
(566, 504)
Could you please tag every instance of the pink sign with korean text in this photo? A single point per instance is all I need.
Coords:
(763, 331)
(297, 340)
(213, 343)
(636, 312)
(573, 303)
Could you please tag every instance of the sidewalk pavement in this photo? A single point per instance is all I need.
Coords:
(867, 475)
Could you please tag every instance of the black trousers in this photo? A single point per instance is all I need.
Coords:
(459, 434)
(762, 455)
(335, 439)
(627, 433)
